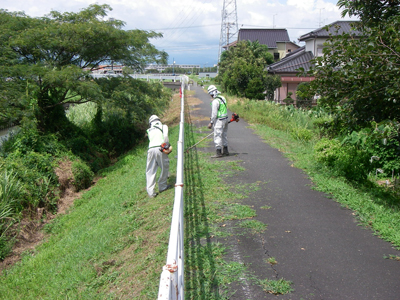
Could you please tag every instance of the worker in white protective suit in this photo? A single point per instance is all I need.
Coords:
(219, 119)
(157, 156)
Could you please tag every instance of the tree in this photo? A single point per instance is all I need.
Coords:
(371, 12)
(242, 70)
(303, 97)
(45, 62)
(359, 75)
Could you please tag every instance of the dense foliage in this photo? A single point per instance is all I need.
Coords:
(357, 80)
(45, 61)
(45, 87)
(242, 71)
(358, 72)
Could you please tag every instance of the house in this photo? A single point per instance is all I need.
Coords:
(277, 40)
(288, 67)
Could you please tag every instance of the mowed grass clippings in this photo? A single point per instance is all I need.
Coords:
(111, 245)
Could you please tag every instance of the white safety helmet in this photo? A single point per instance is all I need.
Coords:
(212, 90)
(153, 118)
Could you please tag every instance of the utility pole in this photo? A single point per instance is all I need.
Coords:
(229, 21)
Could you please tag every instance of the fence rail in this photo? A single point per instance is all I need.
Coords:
(174, 78)
(172, 276)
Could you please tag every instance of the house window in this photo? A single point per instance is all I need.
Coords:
(319, 52)
(276, 56)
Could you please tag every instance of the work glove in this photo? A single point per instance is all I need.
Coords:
(210, 125)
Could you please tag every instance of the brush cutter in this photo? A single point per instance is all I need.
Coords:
(235, 117)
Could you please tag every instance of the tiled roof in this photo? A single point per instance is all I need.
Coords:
(267, 37)
(293, 61)
(335, 28)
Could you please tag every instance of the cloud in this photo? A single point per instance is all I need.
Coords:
(192, 28)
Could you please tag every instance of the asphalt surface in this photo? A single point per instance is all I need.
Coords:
(318, 245)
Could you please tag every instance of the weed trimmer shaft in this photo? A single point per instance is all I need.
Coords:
(235, 117)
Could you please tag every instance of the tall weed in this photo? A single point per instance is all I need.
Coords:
(10, 189)
(298, 122)
(345, 160)
(82, 114)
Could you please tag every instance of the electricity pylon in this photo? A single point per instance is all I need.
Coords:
(229, 25)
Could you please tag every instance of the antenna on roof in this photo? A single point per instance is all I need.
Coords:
(320, 19)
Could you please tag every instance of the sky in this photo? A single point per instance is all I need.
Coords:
(191, 28)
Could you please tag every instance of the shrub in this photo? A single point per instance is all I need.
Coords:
(345, 160)
(302, 134)
(83, 176)
(30, 140)
(327, 151)
(303, 96)
(288, 100)
(5, 247)
(36, 175)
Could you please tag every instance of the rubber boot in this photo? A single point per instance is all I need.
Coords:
(226, 152)
(219, 153)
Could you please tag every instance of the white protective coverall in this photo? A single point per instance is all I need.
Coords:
(220, 124)
(158, 134)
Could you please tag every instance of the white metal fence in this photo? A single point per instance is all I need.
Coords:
(172, 276)
(160, 77)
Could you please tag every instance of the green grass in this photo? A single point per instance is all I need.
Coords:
(210, 206)
(254, 225)
(272, 260)
(112, 244)
(374, 206)
(113, 236)
(277, 287)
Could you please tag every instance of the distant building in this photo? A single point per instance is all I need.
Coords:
(117, 69)
(161, 68)
(288, 67)
(277, 40)
(108, 69)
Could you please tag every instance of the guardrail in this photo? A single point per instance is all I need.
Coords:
(172, 276)
(144, 76)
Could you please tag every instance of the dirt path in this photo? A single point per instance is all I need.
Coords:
(317, 244)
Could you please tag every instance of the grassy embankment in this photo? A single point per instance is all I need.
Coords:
(112, 243)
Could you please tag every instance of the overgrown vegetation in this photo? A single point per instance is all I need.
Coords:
(343, 166)
(355, 82)
(65, 116)
(113, 242)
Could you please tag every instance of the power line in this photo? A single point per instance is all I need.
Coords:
(187, 27)
(284, 28)
(176, 33)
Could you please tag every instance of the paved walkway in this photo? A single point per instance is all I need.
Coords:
(318, 244)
